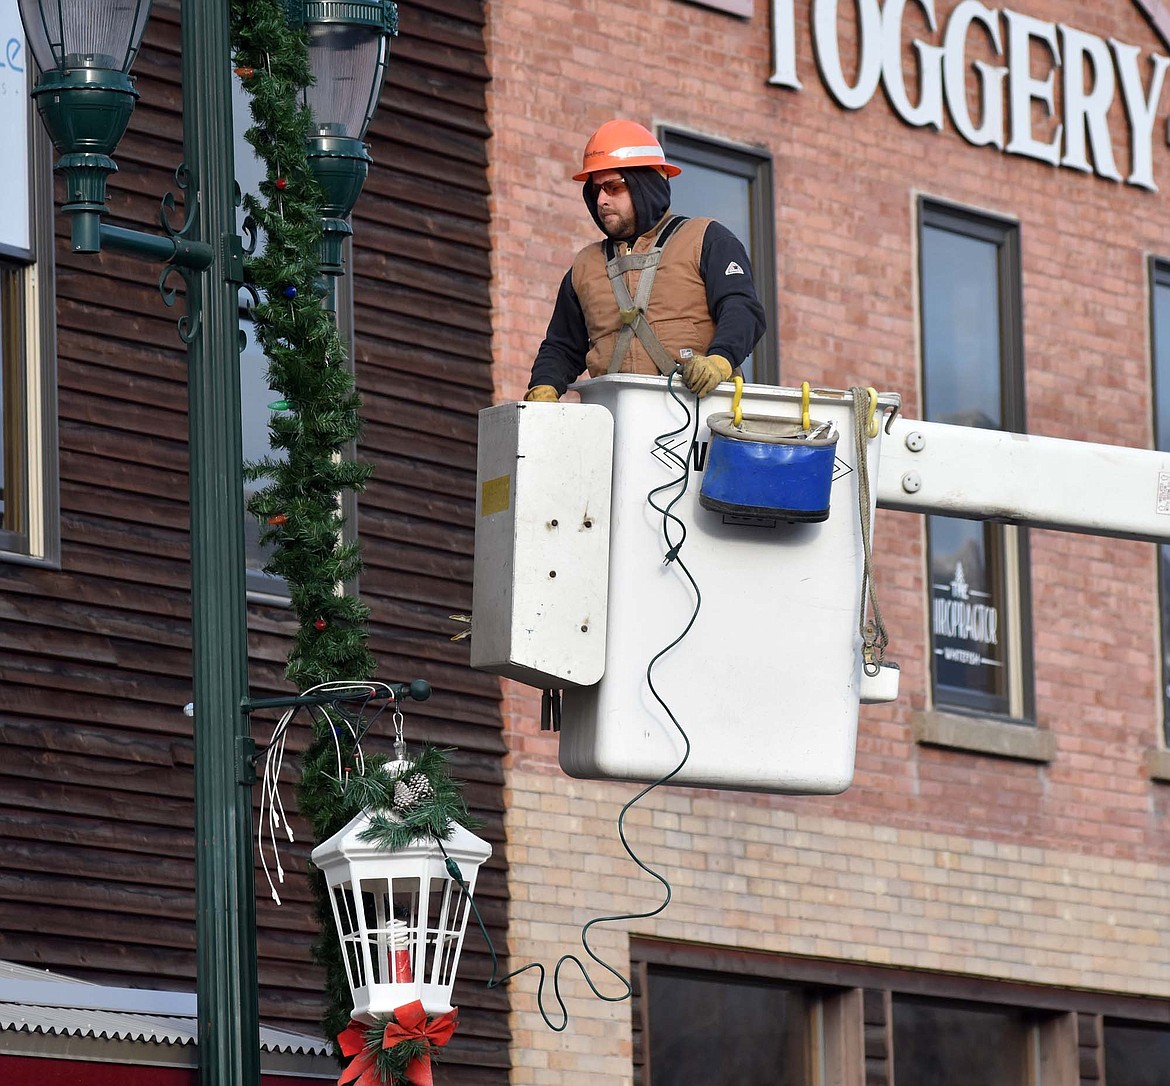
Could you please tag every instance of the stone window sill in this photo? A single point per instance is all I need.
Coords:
(978, 735)
(1158, 764)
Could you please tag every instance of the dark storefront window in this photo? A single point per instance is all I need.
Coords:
(734, 185)
(972, 360)
(1160, 341)
(13, 498)
(717, 1030)
(1136, 1054)
(705, 1015)
(960, 1044)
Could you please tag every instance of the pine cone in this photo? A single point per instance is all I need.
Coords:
(412, 792)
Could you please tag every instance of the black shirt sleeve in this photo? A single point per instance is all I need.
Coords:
(731, 295)
(561, 358)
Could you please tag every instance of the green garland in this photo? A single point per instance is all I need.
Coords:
(298, 506)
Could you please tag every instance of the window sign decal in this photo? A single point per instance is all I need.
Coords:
(961, 617)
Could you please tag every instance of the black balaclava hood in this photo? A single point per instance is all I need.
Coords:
(650, 192)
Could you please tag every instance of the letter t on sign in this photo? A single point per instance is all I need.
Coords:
(784, 45)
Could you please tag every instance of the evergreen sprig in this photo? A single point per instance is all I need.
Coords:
(392, 1063)
(395, 824)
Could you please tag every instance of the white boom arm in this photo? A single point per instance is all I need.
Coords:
(1044, 482)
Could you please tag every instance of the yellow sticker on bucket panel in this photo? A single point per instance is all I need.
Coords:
(495, 495)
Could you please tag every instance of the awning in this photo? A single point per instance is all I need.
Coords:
(127, 1036)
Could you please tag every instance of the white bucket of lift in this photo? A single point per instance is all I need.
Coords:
(767, 682)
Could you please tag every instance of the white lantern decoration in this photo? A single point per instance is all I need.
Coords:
(400, 915)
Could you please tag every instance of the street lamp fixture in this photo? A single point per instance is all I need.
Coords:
(349, 41)
(85, 95)
(401, 916)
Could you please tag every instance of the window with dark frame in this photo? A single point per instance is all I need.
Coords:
(961, 1044)
(754, 1031)
(13, 444)
(973, 375)
(29, 512)
(1136, 1053)
(1160, 349)
(697, 1009)
(733, 184)
(256, 396)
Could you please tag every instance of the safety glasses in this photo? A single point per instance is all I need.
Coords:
(615, 186)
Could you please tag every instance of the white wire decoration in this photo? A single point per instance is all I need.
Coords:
(344, 709)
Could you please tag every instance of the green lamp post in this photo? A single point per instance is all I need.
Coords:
(85, 96)
(349, 41)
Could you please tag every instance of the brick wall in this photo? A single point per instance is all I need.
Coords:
(935, 859)
(794, 878)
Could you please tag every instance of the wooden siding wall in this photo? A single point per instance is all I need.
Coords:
(96, 810)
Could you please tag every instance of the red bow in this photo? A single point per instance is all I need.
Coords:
(409, 1022)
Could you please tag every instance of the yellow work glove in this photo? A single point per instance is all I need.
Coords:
(702, 372)
(541, 394)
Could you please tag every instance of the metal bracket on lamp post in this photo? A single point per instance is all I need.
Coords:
(418, 690)
(178, 251)
(85, 177)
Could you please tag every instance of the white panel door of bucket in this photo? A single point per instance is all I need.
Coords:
(766, 683)
(542, 542)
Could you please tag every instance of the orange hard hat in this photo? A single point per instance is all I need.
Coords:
(617, 144)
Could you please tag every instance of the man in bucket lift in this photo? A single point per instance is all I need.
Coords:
(704, 312)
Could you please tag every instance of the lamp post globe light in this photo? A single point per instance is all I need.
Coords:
(349, 41)
(85, 96)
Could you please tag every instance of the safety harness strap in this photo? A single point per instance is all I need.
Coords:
(633, 309)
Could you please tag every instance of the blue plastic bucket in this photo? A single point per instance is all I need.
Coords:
(768, 467)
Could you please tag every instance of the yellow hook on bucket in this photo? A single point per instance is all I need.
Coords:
(805, 421)
(736, 410)
(871, 426)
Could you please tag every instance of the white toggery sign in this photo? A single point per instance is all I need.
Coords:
(1032, 57)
